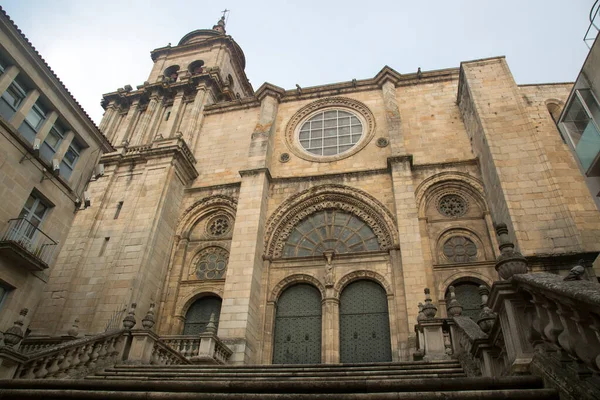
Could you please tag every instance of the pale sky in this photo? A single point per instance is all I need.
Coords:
(97, 47)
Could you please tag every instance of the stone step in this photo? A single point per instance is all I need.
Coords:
(68, 394)
(329, 374)
(273, 386)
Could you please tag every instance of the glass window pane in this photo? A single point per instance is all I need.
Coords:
(35, 118)
(316, 125)
(330, 132)
(53, 139)
(317, 117)
(330, 114)
(330, 141)
(304, 135)
(344, 121)
(330, 151)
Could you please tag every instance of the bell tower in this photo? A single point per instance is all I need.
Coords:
(118, 250)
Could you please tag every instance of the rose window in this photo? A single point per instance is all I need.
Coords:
(212, 263)
(218, 226)
(331, 132)
(452, 205)
(460, 249)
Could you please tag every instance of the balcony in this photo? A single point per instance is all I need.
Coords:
(27, 245)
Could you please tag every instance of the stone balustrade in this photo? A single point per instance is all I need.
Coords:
(205, 348)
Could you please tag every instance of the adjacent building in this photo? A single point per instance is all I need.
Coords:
(49, 148)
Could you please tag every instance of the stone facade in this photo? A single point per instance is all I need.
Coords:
(207, 167)
(30, 244)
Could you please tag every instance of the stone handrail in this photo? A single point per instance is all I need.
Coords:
(74, 358)
(36, 344)
(187, 345)
(567, 316)
(205, 348)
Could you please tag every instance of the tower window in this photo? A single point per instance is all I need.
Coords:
(196, 67)
(172, 73)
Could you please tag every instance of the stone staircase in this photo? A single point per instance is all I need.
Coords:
(404, 380)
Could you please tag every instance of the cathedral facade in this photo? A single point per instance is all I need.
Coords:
(306, 223)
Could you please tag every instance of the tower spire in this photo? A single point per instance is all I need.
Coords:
(220, 26)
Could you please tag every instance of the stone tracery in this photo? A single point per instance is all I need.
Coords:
(329, 197)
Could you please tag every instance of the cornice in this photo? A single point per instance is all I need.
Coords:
(162, 148)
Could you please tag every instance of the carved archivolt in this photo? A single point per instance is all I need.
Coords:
(204, 290)
(456, 183)
(463, 276)
(202, 208)
(334, 103)
(358, 275)
(326, 197)
(295, 279)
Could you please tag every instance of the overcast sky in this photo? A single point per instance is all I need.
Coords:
(97, 47)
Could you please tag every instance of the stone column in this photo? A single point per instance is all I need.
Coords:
(241, 312)
(175, 117)
(129, 123)
(392, 117)
(414, 268)
(330, 337)
(196, 116)
(7, 78)
(145, 119)
(109, 114)
(46, 126)
(26, 106)
(261, 145)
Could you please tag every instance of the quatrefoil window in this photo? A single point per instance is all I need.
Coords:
(460, 249)
(212, 263)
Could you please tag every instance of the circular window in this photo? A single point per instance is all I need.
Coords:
(212, 263)
(460, 249)
(218, 226)
(452, 205)
(330, 129)
(330, 132)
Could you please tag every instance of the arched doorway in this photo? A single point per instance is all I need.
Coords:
(364, 323)
(297, 338)
(198, 315)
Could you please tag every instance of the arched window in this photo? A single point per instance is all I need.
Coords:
(334, 230)
(172, 73)
(196, 67)
(467, 294)
(554, 109)
(198, 315)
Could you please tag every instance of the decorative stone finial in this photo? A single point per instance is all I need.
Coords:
(454, 307)
(211, 327)
(129, 321)
(486, 317)
(220, 26)
(148, 321)
(510, 262)
(74, 331)
(576, 273)
(14, 334)
(429, 309)
(421, 316)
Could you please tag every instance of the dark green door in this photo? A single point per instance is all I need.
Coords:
(298, 326)
(364, 324)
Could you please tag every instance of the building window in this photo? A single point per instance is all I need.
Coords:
(70, 159)
(4, 290)
(34, 210)
(580, 120)
(459, 249)
(467, 294)
(52, 143)
(330, 132)
(452, 205)
(212, 263)
(330, 230)
(11, 100)
(199, 314)
(33, 121)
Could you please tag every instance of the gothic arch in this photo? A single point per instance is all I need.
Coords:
(203, 208)
(354, 201)
(292, 280)
(358, 275)
(450, 182)
(206, 290)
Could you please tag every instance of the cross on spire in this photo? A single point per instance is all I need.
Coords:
(224, 12)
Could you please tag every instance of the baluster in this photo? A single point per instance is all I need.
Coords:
(76, 359)
(29, 370)
(102, 352)
(66, 364)
(93, 356)
(42, 371)
(85, 357)
(111, 350)
(154, 357)
(56, 360)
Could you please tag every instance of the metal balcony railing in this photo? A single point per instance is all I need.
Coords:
(27, 236)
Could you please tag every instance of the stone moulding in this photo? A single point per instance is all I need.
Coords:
(358, 275)
(199, 209)
(295, 279)
(332, 102)
(327, 197)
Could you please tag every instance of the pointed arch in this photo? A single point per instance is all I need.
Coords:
(203, 208)
(348, 199)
